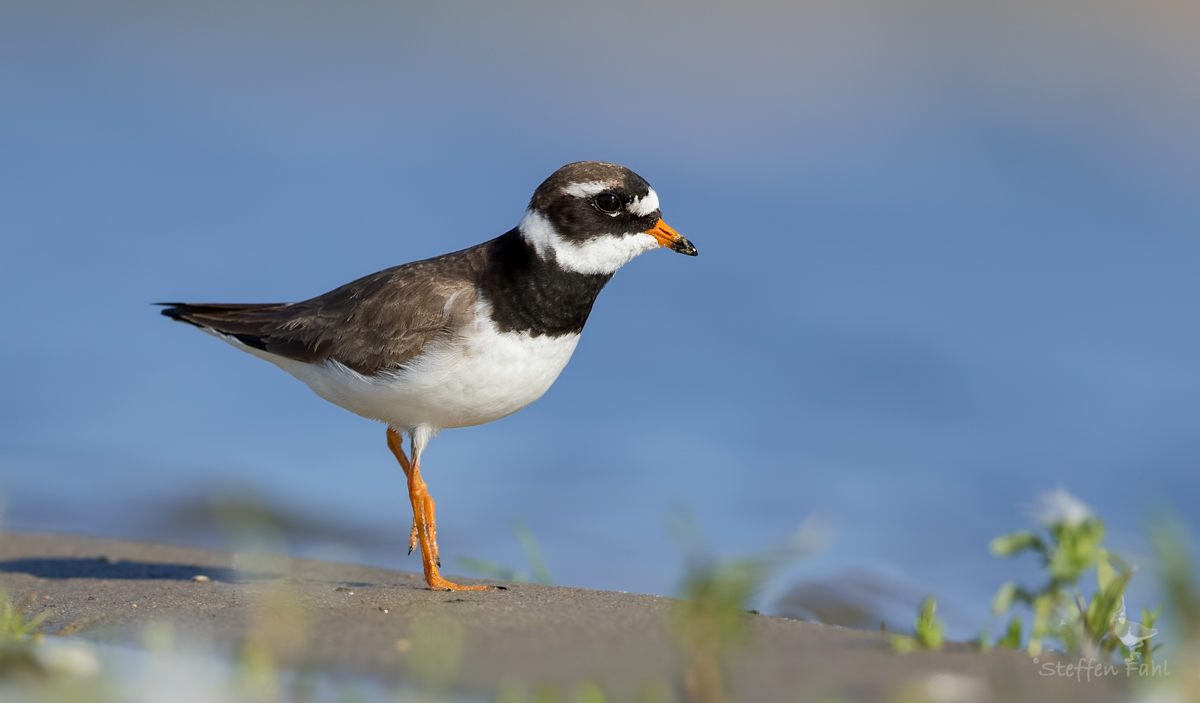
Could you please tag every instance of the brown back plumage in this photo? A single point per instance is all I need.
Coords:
(376, 323)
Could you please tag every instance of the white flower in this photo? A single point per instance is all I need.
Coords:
(1060, 507)
(1128, 631)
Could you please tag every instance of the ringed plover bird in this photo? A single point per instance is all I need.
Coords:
(463, 338)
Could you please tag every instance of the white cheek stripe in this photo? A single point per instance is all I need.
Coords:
(604, 254)
(644, 206)
(587, 189)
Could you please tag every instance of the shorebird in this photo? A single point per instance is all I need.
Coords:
(463, 338)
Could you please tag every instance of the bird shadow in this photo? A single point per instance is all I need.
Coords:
(121, 569)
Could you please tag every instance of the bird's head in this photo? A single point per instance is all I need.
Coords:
(595, 217)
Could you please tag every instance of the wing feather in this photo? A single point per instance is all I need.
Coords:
(376, 323)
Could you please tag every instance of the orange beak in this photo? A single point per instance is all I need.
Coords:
(668, 237)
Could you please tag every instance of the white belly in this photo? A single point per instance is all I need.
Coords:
(481, 376)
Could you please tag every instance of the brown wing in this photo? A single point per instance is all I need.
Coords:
(376, 323)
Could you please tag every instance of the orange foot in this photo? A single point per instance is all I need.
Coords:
(424, 529)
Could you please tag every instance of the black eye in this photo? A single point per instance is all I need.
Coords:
(607, 202)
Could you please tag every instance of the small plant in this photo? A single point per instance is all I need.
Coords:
(1174, 551)
(18, 636)
(15, 628)
(1069, 545)
(927, 631)
(712, 616)
(29, 664)
(1177, 573)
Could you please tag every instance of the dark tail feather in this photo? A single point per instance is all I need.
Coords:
(247, 322)
(184, 312)
(225, 317)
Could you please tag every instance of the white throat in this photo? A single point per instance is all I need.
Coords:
(604, 254)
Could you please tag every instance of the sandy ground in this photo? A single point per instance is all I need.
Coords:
(357, 620)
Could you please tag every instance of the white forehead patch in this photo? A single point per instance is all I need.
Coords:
(603, 254)
(644, 206)
(587, 189)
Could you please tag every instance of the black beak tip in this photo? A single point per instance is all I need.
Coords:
(683, 246)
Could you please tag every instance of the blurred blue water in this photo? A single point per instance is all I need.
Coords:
(948, 260)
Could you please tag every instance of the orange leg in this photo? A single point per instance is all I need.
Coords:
(396, 444)
(424, 525)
